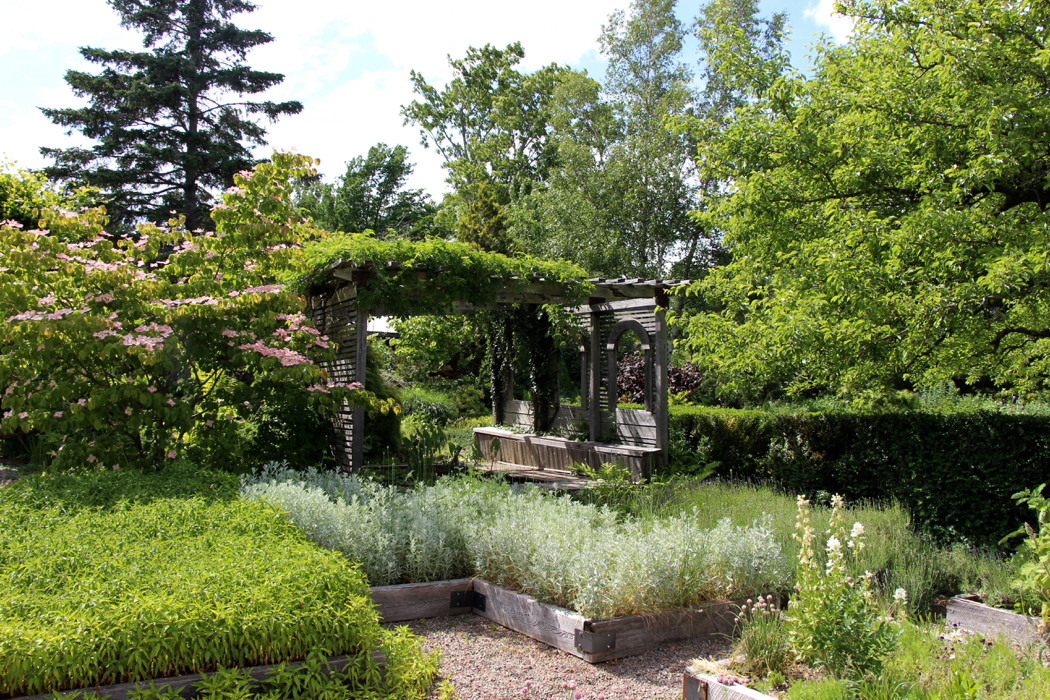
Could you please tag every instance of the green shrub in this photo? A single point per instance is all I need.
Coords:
(104, 488)
(954, 472)
(428, 405)
(382, 430)
(168, 588)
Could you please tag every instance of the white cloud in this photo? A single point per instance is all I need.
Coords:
(825, 16)
(348, 63)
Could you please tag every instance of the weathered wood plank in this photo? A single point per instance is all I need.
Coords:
(183, 685)
(549, 624)
(415, 601)
(700, 686)
(634, 416)
(983, 619)
(637, 634)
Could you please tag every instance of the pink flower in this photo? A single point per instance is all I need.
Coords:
(151, 389)
(57, 414)
(23, 415)
(209, 423)
(91, 459)
(170, 402)
(171, 454)
(7, 414)
(116, 467)
(81, 402)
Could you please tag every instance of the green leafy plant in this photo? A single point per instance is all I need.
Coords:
(177, 586)
(835, 623)
(1034, 576)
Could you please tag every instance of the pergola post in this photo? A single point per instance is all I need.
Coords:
(660, 403)
(360, 362)
(595, 404)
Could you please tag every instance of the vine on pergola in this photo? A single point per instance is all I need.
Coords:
(406, 278)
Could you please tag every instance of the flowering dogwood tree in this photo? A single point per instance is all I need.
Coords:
(126, 353)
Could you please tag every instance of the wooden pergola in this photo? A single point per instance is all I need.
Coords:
(613, 307)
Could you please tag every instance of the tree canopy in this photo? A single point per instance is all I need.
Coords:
(490, 123)
(372, 195)
(887, 221)
(168, 134)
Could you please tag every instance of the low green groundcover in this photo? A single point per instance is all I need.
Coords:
(98, 596)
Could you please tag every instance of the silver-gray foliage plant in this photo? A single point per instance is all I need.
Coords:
(556, 549)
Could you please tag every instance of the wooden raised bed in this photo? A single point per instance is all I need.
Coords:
(527, 450)
(415, 601)
(702, 686)
(184, 685)
(966, 612)
(591, 640)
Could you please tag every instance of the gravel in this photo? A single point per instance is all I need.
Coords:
(484, 661)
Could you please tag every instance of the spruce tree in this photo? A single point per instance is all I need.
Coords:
(171, 122)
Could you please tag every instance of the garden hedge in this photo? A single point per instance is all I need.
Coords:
(955, 472)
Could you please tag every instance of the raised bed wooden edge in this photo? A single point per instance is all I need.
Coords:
(591, 640)
(183, 685)
(415, 601)
(969, 614)
(700, 686)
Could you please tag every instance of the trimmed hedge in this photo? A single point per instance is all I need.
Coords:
(173, 587)
(955, 472)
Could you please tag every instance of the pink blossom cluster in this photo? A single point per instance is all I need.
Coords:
(171, 303)
(287, 356)
(265, 289)
(40, 315)
(334, 385)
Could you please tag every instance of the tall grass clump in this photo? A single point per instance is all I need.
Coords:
(428, 405)
(556, 549)
(897, 555)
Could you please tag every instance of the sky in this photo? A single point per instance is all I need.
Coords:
(347, 62)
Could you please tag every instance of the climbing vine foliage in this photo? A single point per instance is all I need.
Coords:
(131, 352)
(453, 272)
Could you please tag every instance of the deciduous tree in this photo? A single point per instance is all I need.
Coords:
(372, 195)
(888, 223)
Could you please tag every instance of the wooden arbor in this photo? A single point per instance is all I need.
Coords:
(614, 306)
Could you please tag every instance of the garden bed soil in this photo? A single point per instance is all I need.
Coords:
(593, 641)
(183, 686)
(968, 613)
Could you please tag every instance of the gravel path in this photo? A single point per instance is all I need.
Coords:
(484, 661)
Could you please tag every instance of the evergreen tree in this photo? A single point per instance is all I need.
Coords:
(167, 137)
